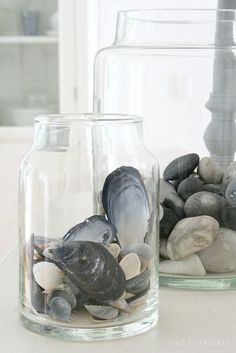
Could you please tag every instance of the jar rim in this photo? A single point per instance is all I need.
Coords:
(144, 15)
(87, 118)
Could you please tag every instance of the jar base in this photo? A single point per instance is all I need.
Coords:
(90, 334)
(210, 282)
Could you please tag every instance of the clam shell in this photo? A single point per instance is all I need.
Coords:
(47, 275)
(91, 267)
(95, 228)
(131, 265)
(102, 312)
(138, 302)
(125, 202)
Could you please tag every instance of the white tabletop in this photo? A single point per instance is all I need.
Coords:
(189, 322)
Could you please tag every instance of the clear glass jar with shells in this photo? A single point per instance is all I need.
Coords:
(88, 241)
(177, 69)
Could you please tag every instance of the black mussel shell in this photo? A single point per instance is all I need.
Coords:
(91, 267)
(95, 228)
(125, 202)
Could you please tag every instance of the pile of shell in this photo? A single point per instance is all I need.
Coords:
(103, 264)
(198, 227)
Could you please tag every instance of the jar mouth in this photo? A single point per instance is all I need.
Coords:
(175, 28)
(180, 16)
(87, 118)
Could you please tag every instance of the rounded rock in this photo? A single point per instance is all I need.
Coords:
(220, 256)
(229, 217)
(130, 265)
(181, 167)
(210, 171)
(205, 203)
(174, 202)
(47, 275)
(229, 173)
(218, 189)
(191, 235)
(168, 222)
(189, 186)
(230, 193)
(190, 265)
(165, 189)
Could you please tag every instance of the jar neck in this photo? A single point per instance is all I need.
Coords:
(126, 135)
(176, 28)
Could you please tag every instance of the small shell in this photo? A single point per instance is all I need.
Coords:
(137, 281)
(142, 250)
(114, 249)
(60, 309)
(102, 312)
(138, 302)
(65, 292)
(47, 275)
(120, 304)
(131, 265)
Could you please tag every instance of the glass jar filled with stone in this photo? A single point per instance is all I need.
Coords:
(88, 239)
(177, 69)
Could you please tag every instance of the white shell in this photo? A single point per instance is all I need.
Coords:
(102, 312)
(131, 265)
(114, 249)
(47, 275)
(190, 265)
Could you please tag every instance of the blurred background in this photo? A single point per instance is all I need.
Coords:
(47, 50)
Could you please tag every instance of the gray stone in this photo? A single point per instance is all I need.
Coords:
(210, 171)
(229, 217)
(191, 235)
(205, 203)
(174, 202)
(189, 186)
(181, 167)
(190, 265)
(229, 173)
(230, 193)
(163, 249)
(218, 189)
(165, 189)
(168, 222)
(220, 256)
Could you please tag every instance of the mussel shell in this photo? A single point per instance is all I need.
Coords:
(125, 202)
(91, 267)
(137, 281)
(95, 228)
(63, 291)
(60, 308)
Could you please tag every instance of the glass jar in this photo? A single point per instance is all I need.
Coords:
(88, 239)
(177, 69)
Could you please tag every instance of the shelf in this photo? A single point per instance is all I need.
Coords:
(16, 134)
(28, 40)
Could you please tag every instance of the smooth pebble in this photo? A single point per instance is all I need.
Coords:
(220, 256)
(229, 173)
(189, 186)
(165, 189)
(168, 222)
(210, 171)
(174, 202)
(190, 265)
(181, 167)
(191, 235)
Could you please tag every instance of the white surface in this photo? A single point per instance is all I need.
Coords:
(28, 39)
(189, 322)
